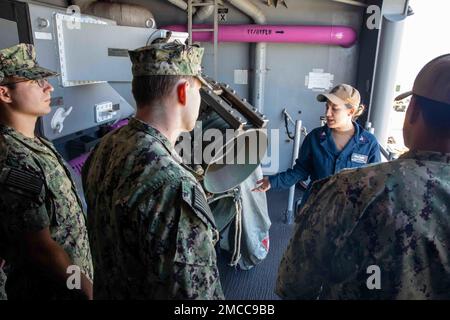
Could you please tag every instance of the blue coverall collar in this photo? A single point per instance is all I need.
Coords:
(326, 138)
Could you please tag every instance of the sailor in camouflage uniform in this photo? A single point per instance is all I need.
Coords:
(151, 230)
(2, 280)
(42, 226)
(394, 216)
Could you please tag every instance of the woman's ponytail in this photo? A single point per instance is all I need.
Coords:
(359, 111)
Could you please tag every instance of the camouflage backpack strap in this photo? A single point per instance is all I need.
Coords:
(196, 199)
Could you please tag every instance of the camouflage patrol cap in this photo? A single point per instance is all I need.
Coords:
(20, 61)
(164, 59)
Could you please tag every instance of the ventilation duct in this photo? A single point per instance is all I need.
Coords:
(124, 14)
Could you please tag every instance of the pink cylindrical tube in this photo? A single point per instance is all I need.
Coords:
(330, 35)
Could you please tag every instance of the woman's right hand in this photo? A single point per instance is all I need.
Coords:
(262, 185)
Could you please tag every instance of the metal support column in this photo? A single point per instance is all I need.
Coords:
(289, 219)
(385, 75)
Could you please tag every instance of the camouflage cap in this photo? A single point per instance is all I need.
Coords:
(173, 58)
(20, 61)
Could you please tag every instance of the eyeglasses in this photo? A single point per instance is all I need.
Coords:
(40, 82)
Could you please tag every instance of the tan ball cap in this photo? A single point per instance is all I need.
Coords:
(433, 81)
(342, 94)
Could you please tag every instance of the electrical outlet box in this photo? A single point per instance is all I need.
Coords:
(104, 112)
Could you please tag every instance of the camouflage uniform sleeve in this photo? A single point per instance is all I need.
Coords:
(176, 240)
(22, 201)
(306, 266)
(195, 259)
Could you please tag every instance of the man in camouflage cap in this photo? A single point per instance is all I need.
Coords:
(167, 59)
(42, 226)
(151, 230)
(382, 232)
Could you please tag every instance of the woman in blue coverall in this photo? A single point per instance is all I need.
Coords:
(340, 144)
